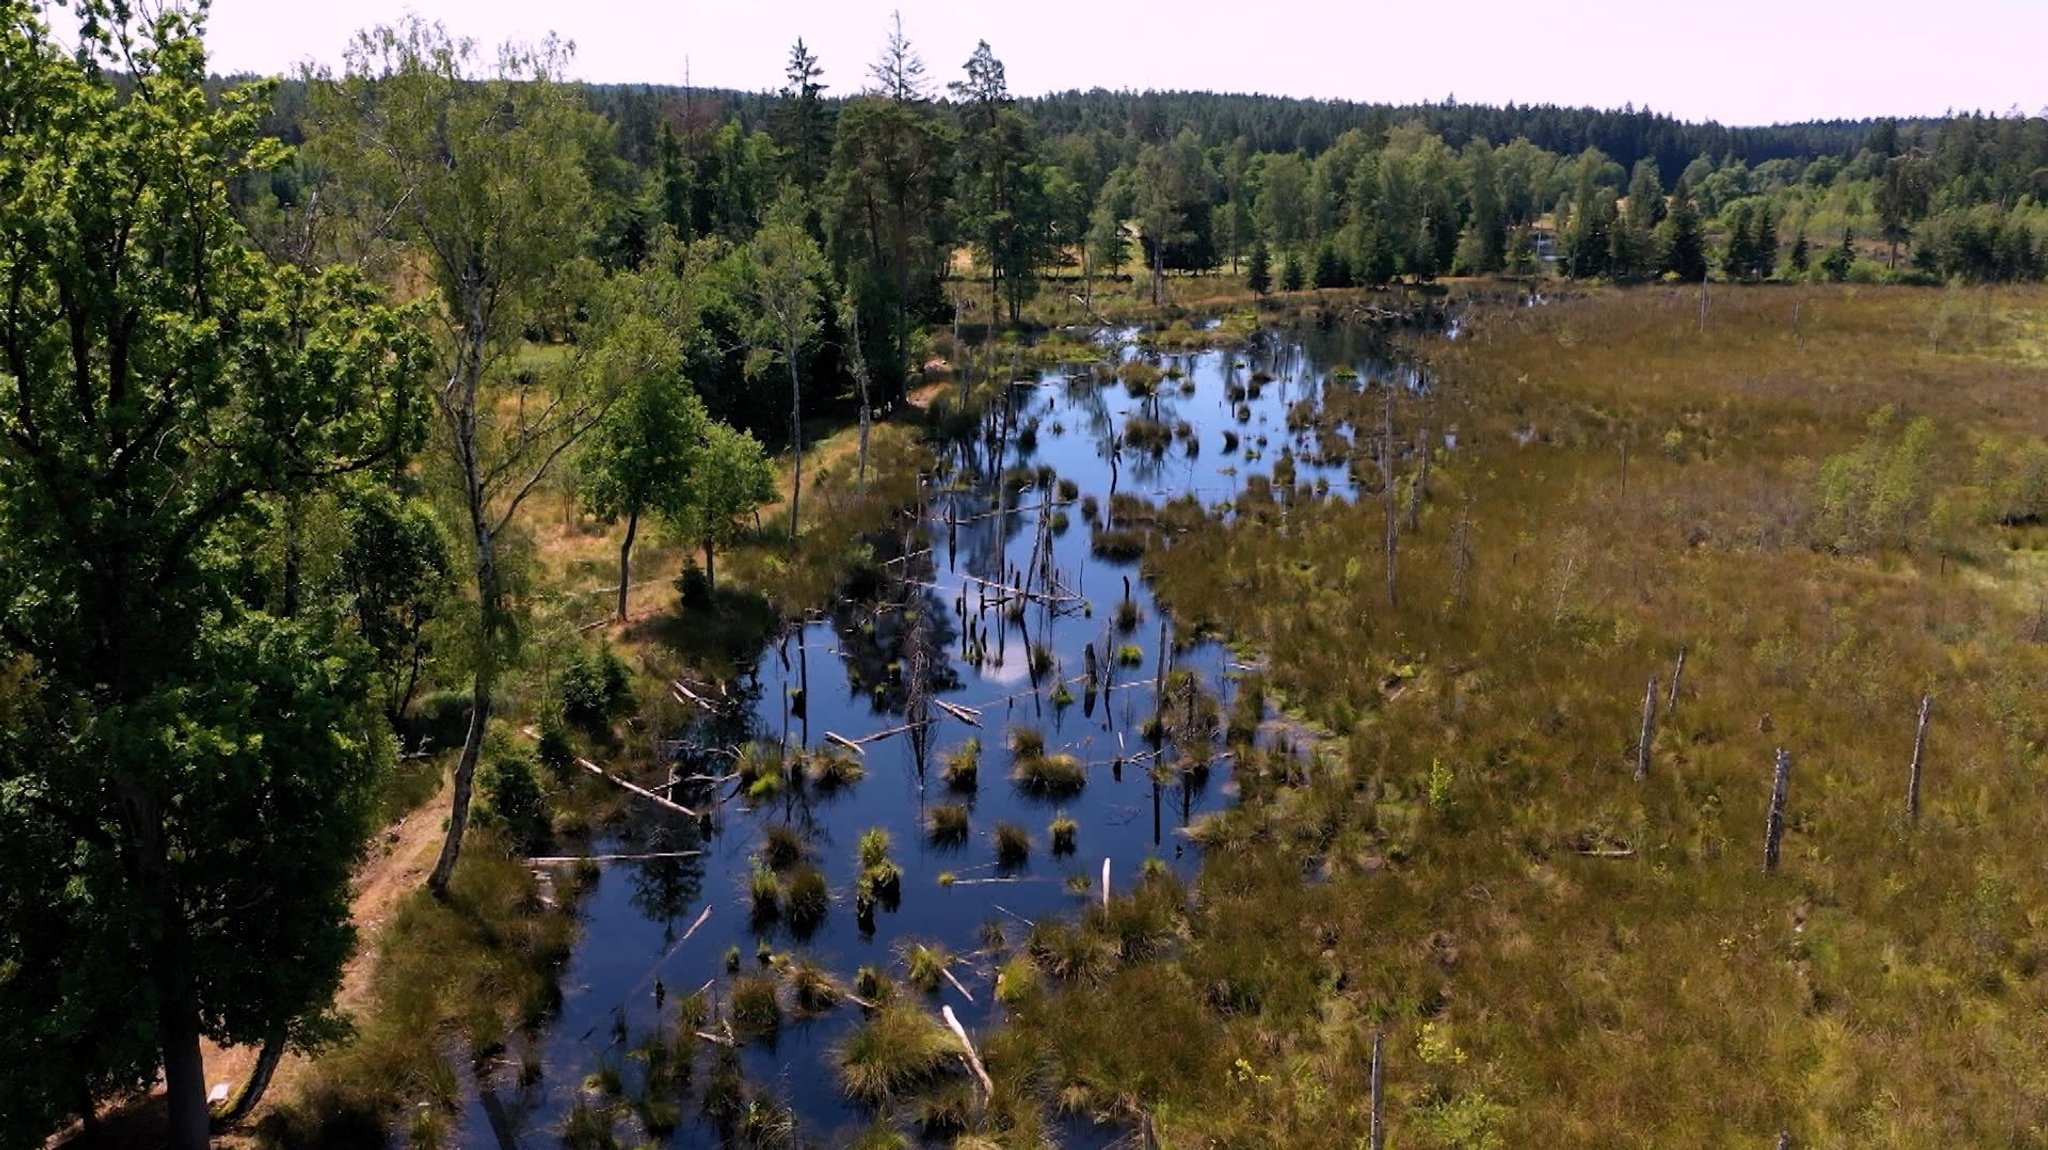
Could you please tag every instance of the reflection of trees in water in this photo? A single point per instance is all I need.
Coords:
(884, 643)
(667, 889)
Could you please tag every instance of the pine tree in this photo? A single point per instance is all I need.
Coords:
(1835, 265)
(1801, 253)
(1684, 244)
(1259, 277)
(1330, 271)
(1763, 245)
(1291, 277)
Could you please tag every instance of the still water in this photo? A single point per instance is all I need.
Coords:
(939, 609)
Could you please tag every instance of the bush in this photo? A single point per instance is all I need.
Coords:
(694, 586)
(596, 688)
(510, 788)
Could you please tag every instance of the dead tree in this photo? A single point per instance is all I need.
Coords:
(1677, 673)
(1919, 757)
(1774, 829)
(1461, 551)
(1649, 731)
(1387, 482)
(1377, 1132)
(1420, 487)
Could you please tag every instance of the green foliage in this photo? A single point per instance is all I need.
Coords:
(1878, 495)
(508, 781)
(596, 688)
(898, 1050)
(1259, 272)
(188, 761)
(963, 765)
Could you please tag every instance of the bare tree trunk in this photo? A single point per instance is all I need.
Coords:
(626, 559)
(1677, 673)
(1377, 1132)
(1420, 488)
(1387, 481)
(1919, 757)
(490, 606)
(1774, 829)
(796, 439)
(1649, 731)
(710, 565)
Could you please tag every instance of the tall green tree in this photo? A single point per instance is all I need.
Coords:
(1682, 239)
(732, 477)
(478, 171)
(638, 461)
(804, 122)
(1004, 194)
(184, 772)
(890, 186)
(785, 273)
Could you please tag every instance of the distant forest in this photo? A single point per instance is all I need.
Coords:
(903, 164)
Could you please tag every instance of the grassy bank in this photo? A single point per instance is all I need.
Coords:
(1555, 952)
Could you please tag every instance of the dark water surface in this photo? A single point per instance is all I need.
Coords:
(823, 678)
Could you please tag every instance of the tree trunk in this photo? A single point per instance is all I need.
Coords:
(1387, 482)
(1919, 756)
(1158, 269)
(710, 565)
(1774, 828)
(245, 1100)
(626, 560)
(465, 780)
(184, 1071)
(796, 440)
(1376, 1131)
(1649, 731)
(489, 607)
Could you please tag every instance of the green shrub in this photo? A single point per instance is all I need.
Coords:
(596, 688)
(509, 786)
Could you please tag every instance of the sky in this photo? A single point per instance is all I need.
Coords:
(1739, 62)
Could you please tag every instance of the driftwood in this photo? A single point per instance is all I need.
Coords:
(1105, 886)
(1013, 914)
(1774, 829)
(615, 780)
(967, 1044)
(1620, 853)
(967, 715)
(849, 744)
(957, 985)
(1919, 757)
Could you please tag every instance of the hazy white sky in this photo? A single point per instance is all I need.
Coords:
(1737, 61)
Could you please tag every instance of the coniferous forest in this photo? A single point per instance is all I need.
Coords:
(888, 611)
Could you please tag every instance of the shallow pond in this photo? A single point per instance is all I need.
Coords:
(945, 602)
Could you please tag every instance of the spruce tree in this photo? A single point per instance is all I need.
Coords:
(1259, 277)
(1685, 249)
(1801, 253)
(1763, 244)
(1835, 265)
(1291, 277)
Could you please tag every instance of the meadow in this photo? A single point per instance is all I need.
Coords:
(1555, 952)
